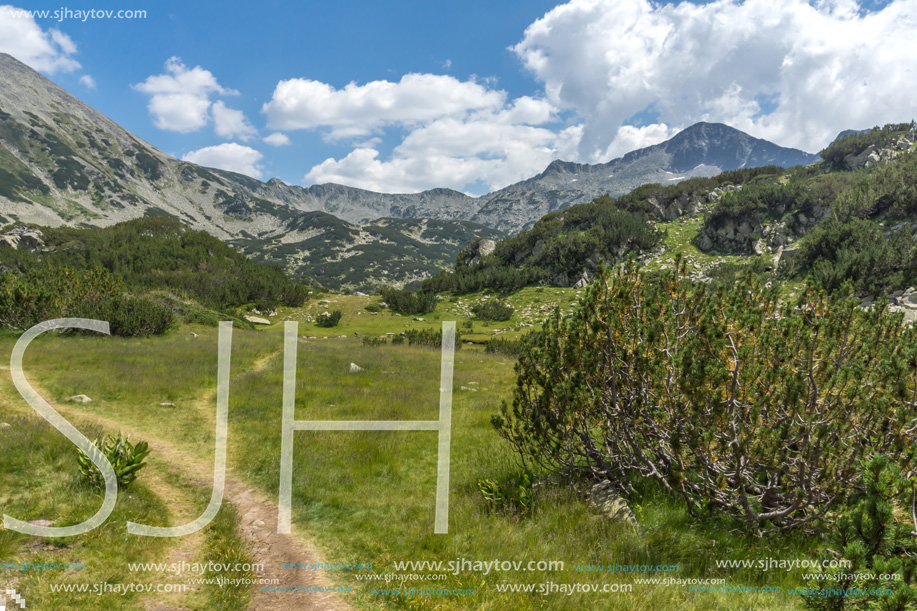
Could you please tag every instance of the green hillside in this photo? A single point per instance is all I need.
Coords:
(169, 265)
(850, 218)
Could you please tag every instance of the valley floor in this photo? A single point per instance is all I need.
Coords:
(363, 501)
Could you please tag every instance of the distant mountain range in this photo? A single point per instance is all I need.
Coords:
(64, 163)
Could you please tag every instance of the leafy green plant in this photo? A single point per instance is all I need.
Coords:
(519, 497)
(374, 342)
(490, 490)
(328, 319)
(374, 308)
(125, 457)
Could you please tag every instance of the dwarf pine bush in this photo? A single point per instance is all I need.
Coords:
(733, 401)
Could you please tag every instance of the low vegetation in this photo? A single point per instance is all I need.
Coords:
(126, 459)
(41, 294)
(409, 302)
(733, 402)
(141, 276)
(328, 319)
(854, 144)
(493, 309)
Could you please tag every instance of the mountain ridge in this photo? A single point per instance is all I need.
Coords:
(181, 189)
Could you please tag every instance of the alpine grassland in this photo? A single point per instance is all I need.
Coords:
(363, 497)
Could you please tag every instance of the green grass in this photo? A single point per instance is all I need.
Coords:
(369, 497)
(127, 380)
(41, 481)
(531, 305)
(224, 547)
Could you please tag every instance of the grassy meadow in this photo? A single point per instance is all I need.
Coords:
(364, 496)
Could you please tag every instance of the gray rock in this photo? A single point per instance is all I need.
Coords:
(354, 368)
(80, 399)
(258, 321)
(603, 496)
(785, 256)
(477, 250)
(538, 248)
(584, 280)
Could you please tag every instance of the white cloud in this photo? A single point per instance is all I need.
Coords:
(630, 138)
(229, 156)
(87, 81)
(824, 67)
(357, 110)
(229, 123)
(454, 133)
(180, 99)
(450, 152)
(277, 139)
(47, 51)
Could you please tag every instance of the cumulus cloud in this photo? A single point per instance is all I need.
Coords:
(486, 147)
(277, 139)
(87, 81)
(453, 133)
(789, 71)
(229, 156)
(357, 110)
(180, 101)
(48, 51)
(230, 123)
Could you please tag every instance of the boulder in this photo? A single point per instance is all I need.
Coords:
(867, 157)
(584, 280)
(80, 399)
(258, 321)
(604, 497)
(785, 256)
(354, 368)
(477, 250)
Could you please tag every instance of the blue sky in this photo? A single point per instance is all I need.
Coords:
(404, 96)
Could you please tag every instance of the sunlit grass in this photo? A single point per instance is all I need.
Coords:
(369, 496)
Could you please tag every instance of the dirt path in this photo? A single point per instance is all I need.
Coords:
(257, 518)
